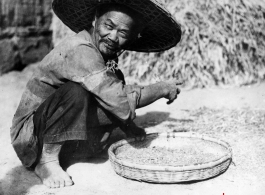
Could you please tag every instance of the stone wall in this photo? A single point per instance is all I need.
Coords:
(25, 33)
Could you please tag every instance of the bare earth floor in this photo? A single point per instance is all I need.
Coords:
(235, 115)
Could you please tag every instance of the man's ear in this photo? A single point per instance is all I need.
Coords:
(94, 21)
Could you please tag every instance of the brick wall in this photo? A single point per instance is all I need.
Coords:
(25, 32)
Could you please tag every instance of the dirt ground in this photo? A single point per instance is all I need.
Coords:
(206, 108)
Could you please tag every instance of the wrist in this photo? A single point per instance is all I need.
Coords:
(163, 88)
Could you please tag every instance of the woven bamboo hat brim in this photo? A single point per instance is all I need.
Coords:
(161, 32)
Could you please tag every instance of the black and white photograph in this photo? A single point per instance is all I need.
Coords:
(132, 97)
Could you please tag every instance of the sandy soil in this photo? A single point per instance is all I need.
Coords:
(95, 176)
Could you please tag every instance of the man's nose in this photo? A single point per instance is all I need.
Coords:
(113, 36)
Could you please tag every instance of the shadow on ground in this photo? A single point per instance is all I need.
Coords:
(151, 119)
(18, 180)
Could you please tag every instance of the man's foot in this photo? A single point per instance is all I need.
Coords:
(52, 175)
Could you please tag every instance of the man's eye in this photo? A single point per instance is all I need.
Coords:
(124, 34)
(109, 26)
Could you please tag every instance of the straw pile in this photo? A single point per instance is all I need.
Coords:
(223, 43)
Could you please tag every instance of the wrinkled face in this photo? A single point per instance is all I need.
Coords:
(113, 31)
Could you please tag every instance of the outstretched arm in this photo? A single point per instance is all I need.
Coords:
(163, 89)
(149, 94)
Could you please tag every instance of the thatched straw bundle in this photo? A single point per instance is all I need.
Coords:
(223, 43)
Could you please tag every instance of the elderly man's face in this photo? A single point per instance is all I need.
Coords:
(113, 31)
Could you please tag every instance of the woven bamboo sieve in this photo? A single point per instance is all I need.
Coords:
(170, 174)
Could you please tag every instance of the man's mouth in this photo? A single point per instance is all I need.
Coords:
(110, 46)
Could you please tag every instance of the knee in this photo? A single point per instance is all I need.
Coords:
(75, 88)
(78, 95)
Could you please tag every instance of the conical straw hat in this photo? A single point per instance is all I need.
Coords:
(161, 32)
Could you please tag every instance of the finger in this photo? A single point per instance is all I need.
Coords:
(56, 184)
(172, 95)
(170, 101)
(52, 184)
(138, 138)
(61, 183)
(143, 138)
(179, 82)
(47, 183)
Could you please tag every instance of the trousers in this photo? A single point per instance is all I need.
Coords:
(72, 113)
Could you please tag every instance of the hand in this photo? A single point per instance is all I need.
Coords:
(136, 132)
(172, 90)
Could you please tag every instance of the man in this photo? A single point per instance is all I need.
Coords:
(79, 94)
